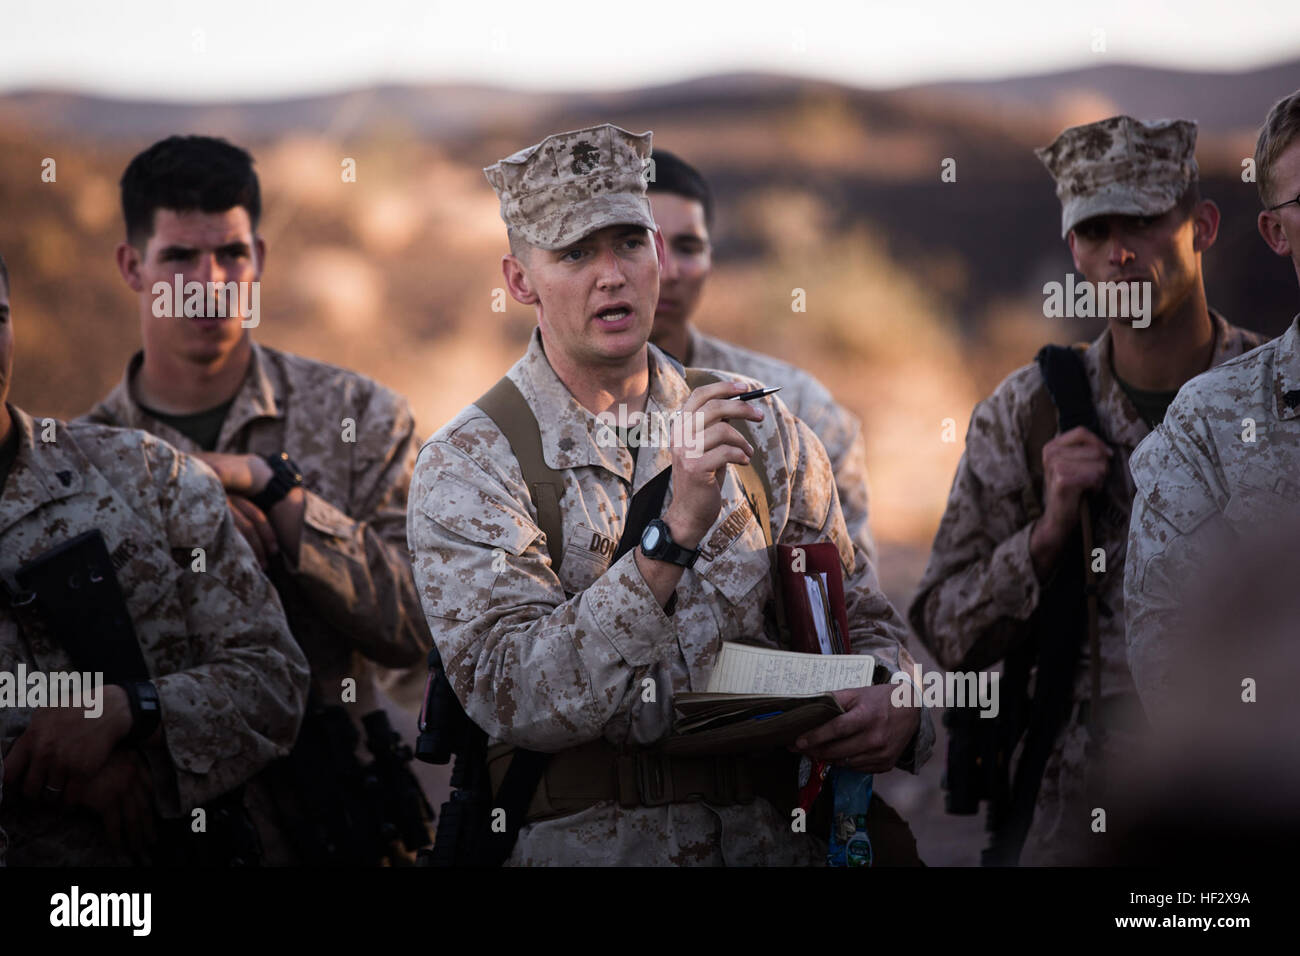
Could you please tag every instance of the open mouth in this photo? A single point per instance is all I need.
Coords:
(613, 313)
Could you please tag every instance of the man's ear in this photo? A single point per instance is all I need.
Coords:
(128, 263)
(259, 249)
(661, 249)
(517, 281)
(1205, 225)
(1270, 227)
(1069, 241)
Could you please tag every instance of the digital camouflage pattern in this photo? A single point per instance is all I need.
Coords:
(351, 599)
(571, 184)
(1201, 482)
(979, 588)
(1121, 166)
(810, 401)
(231, 681)
(538, 668)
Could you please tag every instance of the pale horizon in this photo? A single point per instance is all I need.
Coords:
(296, 50)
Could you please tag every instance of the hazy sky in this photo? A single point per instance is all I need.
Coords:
(272, 48)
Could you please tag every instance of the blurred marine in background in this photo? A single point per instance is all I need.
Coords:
(315, 460)
(682, 203)
(1028, 563)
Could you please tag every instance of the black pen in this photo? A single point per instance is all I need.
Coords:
(757, 393)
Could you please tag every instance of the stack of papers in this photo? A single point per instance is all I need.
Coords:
(760, 699)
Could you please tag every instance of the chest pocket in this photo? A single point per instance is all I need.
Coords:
(1270, 498)
(587, 555)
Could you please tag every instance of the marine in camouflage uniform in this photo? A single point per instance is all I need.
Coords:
(980, 587)
(552, 662)
(348, 593)
(230, 679)
(1224, 466)
(689, 263)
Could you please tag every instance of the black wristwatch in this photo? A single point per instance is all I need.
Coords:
(146, 711)
(657, 542)
(284, 478)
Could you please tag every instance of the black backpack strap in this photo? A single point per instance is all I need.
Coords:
(1066, 379)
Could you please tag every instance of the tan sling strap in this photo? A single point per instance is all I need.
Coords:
(506, 406)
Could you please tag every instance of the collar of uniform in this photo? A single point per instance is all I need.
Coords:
(1286, 371)
(261, 395)
(258, 397)
(42, 472)
(569, 430)
(1119, 417)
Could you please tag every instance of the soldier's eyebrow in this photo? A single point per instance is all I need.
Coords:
(238, 248)
(4, 310)
(175, 250)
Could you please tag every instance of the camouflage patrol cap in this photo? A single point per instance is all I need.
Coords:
(571, 184)
(1121, 166)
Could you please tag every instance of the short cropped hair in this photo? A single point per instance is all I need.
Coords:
(1278, 132)
(187, 173)
(674, 175)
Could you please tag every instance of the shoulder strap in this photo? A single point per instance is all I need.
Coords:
(505, 405)
(1066, 379)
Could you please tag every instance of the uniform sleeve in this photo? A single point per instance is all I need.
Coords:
(813, 513)
(238, 703)
(531, 667)
(979, 587)
(841, 434)
(354, 565)
(1173, 537)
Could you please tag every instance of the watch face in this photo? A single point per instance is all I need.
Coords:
(651, 539)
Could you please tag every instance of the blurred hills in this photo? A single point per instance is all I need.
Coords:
(921, 294)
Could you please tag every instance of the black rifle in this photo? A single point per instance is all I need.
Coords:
(1058, 627)
(447, 734)
(404, 810)
(980, 750)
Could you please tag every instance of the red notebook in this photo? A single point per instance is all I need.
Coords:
(812, 590)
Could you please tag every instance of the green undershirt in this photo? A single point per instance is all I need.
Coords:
(1150, 405)
(203, 428)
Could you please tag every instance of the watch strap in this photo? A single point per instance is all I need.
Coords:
(146, 710)
(284, 478)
